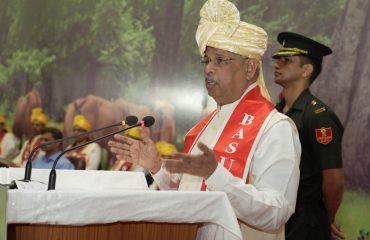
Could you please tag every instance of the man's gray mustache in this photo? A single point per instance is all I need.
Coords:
(210, 79)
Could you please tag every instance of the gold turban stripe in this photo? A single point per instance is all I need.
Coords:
(165, 149)
(133, 132)
(2, 119)
(38, 116)
(81, 122)
(220, 27)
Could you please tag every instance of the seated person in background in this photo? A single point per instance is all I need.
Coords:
(9, 143)
(52, 151)
(38, 123)
(123, 165)
(165, 149)
(90, 153)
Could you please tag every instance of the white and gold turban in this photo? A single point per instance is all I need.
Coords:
(220, 27)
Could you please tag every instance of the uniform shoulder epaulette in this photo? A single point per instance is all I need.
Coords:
(318, 108)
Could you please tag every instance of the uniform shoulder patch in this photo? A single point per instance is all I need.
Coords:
(320, 110)
(324, 135)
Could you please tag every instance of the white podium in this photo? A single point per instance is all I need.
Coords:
(102, 209)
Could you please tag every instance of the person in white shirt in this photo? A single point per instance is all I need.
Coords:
(39, 121)
(245, 148)
(9, 144)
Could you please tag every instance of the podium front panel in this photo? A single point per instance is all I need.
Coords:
(112, 231)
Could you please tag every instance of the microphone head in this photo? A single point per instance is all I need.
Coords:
(148, 121)
(131, 120)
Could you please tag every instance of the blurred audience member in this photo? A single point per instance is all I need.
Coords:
(123, 165)
(52, 151)
(38, 123)
(91, 153)
(9, 144)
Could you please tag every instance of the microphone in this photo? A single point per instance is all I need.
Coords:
(130, 120)
(145, 122)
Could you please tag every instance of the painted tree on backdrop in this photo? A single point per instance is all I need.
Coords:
(314, 18)
(166, 19)
(344, 85)
(72, 47)
(119, 48)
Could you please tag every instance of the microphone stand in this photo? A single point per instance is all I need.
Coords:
(28, 168)
(27, 172)
(147, 122)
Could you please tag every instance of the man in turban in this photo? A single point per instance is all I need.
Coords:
(89, 154)
(38, 123)
(245, 148)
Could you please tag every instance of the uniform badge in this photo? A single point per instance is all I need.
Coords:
(320, 110)
(324, 135)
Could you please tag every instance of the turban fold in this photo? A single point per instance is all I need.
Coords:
(220, 27)
(81, 122)
(38, 116)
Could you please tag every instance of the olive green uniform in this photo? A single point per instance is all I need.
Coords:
(320, 133)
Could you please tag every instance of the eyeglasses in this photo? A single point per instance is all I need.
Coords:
(218, 61)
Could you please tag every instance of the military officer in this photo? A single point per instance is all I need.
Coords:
(298, 63)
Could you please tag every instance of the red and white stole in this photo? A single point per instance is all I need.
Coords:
(31, 144)
(76, 151)
(235, 146)
(79, 152)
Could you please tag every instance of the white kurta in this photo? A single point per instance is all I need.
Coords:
(9, 147)
(18, 159)
(268, 202)
(92, 152)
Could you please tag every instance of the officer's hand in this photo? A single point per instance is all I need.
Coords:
(202, 165)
